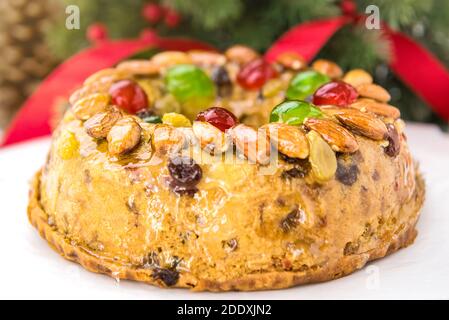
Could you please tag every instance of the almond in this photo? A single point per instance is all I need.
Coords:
(206, 58)
(289, 140)
(241, 54)
(123, 136)
(139, 67)
(381, 109)
(210, 138)
(252, 143)
(329, 68)
(101, 123)
(169, 58)
(357, 77)
(291, 60)
(167, 139)
(362, 123)
(340, 139)
(373, 91)
(86, 107)
(105, 75)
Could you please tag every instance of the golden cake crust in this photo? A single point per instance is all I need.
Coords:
(270, 280)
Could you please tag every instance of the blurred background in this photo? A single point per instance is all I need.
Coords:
(34, 38)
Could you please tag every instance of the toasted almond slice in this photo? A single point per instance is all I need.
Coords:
(381, 109)
(101, 123)
(289, 140)
(123, 136)
(206, 58)
(210, 137)
(88, 106)
(362, 123)
(106, 75)
(340, 139)
(373, 91)
(252, 143)
(329, 68)
(169, 58)
(357, 77)
(241, 54)
(139, 67)
(167, 139)
(291, 60)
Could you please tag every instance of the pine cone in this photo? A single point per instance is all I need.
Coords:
(25, 57)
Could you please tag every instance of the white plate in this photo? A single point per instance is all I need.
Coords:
(30, 269)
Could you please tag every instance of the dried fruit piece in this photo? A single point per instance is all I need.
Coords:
(190, 86)
(148, 116)
(336, 93)
(101, 123)
(170, 58)
(291, 60)
(185, 174)
(241, 54)
(206, 58)
(86, 107)
(168, 276)
(253, 144)
(292, 220)
(123, 136)
(138, 67)
(68, 145)
(272, 88)
(167, 139)
(167, 103)
(329, 68)
(294, 112)
(255, 74)
(357, 77)
(346, 173)
(220, 77)
(304, 84)
(362, 123)
(381, 109)
(289, 140)
(340, 139)
(394, 142)
(322, 158)
(210, 137)
(218, 117)
(374, 91)
(176, 120)
(129, 96)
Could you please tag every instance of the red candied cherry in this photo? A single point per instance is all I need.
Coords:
(218, 117)
(254, 74)
(129, 96)
(337, 93)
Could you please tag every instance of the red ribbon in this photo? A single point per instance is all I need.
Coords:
(33, 119)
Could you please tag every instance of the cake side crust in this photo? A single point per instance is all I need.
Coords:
(259, 281)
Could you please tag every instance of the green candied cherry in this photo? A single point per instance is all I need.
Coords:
(294, 112)
(305, 84)
(191, 86)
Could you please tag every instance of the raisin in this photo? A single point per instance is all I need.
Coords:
(300, 169)
(230, 245)
(221, 78)
(394, 144)
(292, 220)
(347, 174)
(149, 117)
(185, 172)
(182, 190)
(168, 276)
